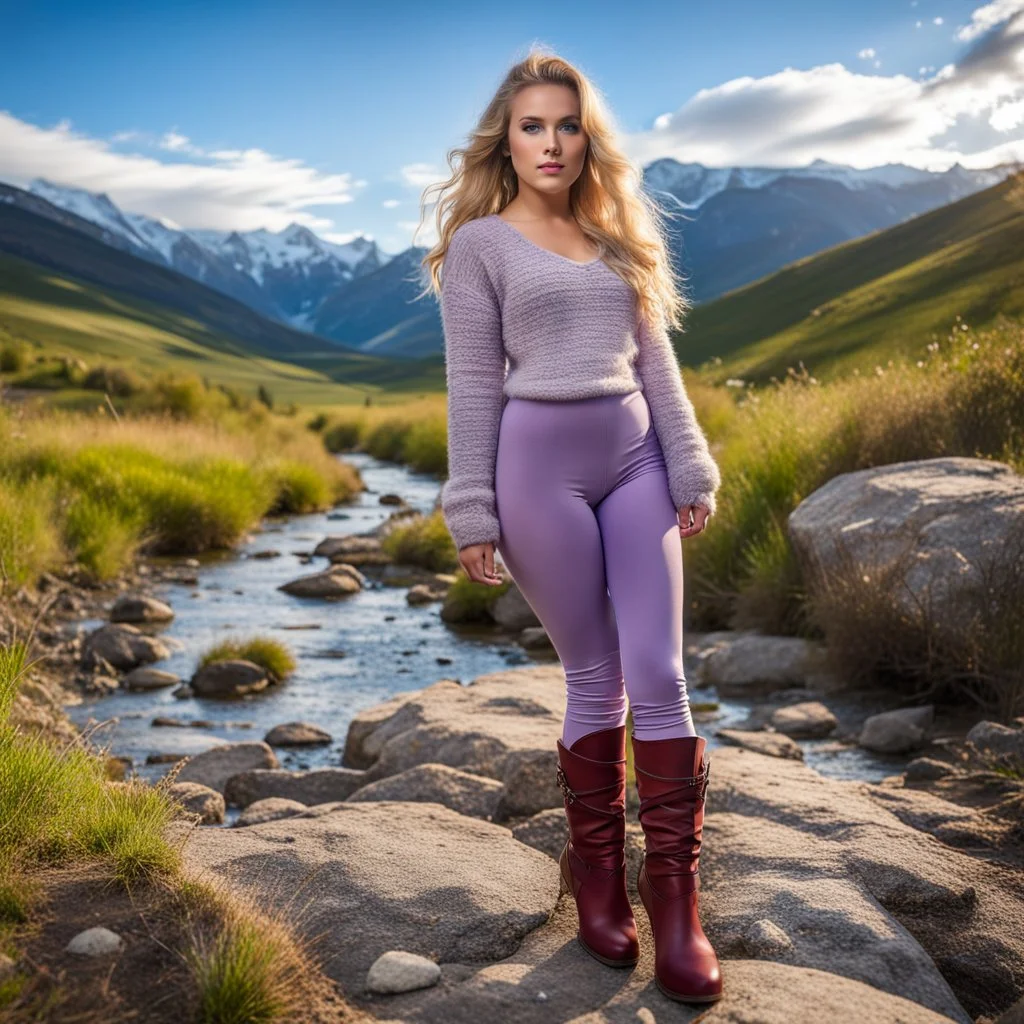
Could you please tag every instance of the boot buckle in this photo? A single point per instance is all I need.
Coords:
(707, 774)
(563, 783)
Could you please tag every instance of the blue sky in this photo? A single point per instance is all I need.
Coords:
(241, 115)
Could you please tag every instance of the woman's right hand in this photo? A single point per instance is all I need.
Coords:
(478, 561)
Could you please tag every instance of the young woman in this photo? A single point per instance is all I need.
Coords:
(582, 464)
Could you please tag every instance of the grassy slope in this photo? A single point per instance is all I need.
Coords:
(877, 296)
(59, 313)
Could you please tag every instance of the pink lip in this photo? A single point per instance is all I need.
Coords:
(552, 168)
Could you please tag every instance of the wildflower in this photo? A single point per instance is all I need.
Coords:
(975, 346)
(920, 362)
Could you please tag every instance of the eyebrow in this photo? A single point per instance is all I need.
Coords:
(533, 117)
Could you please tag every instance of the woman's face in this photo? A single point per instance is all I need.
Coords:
(545, 128)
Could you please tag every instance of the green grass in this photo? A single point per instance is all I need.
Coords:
(271, 655)
(96, 492)
(870, 299)
(424, 542)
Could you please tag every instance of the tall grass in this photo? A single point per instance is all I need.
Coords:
(97, 491)
(964, 395)
(57, 804)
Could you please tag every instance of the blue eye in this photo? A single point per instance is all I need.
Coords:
(574, 127)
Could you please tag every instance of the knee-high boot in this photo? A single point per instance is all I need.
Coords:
(672, 780)
(592, 775)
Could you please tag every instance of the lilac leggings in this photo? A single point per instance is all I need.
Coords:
(591, 537)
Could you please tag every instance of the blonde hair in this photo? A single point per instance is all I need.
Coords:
(606, 199)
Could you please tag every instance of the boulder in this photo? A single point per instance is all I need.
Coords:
(199, 799)
(774, 744)
(475, 795)
(748, 663)
(895, 732)
(270, 809)
(317, 786)
(947, 517)
(808, 719)
(215, 766)
(297, 734)
(139, 608)
(122, 645)
(229, 677)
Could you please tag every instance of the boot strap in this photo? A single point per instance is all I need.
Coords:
(572, 795)
(687, 780)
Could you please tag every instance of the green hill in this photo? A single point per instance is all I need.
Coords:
(65, 292)
(871, 299)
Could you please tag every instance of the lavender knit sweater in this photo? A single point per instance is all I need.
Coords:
(566, 330)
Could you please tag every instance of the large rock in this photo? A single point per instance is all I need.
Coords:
(122, 645)
(747, 663)
(229, 677)
(475, 795)
(998, 740)
(338, 581)
(774, 744)
(896, 732)
(316, 786)
(512, 610)
(215, 766)
(199, 799)
(808, 719)
(504, 725)
(835, 875)
(139, 608)
(947, 516)
(375, 876)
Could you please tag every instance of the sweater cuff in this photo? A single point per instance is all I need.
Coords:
(470, 516)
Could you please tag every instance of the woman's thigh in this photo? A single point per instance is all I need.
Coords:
(549, 467)
(644, 570)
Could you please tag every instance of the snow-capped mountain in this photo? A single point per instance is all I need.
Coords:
(694, 184)
(286, 275)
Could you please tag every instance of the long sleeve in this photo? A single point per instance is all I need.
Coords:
(693, 473)
(475, 370)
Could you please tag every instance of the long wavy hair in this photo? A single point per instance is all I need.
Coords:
(615, 214)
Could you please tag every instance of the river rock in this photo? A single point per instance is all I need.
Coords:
(229, 677)
(512, 611)
(926, 769)
(140, 608)
(122, 645)
(535, 638)
(336, 582)
(400, 971)
(856, 888)
(949, 516)
(774, 744)
(423, 593)
(317, 786)
(377, 876)
(808, 719)
(1000, 740)
(475, 795)
(895, 732)
(98, 941)
(215, 766)
(270, 809)
(297, 734)
(752, 664)
(504, 725)
(143, 678)
(199, 799)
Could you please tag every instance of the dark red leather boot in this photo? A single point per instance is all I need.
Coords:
(672, 780)
(592, 774)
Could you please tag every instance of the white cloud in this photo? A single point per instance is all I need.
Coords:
(421, 175)
(961, 113)
(227, 189)
(937, 21)
(867, 53)
(390, 204)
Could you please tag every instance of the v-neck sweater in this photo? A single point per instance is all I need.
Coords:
(522, 321)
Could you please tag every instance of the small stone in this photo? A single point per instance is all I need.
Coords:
(764, 938)
(96, 941)
(923, 769)
(297, 734)
(809, 719)
(400, 971)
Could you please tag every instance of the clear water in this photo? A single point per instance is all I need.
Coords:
(355, 653)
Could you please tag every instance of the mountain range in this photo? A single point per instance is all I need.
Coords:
(727, 228)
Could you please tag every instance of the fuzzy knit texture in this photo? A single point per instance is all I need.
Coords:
(521, 321)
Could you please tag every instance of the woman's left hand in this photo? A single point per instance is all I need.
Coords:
(693, 519)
